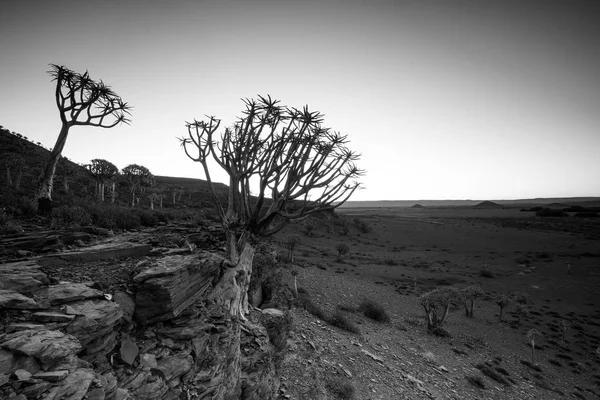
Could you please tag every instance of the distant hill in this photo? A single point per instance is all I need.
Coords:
(33, 156)
(417, 206)
(488, 205)
(570, 201)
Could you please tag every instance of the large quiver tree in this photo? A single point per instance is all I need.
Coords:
(295, 166)
(137, 176)
(80, 101)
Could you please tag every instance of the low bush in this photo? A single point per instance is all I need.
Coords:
(362, 225)
(338, 319)
(476, 381)
(548, 212)
(490, 373)
(531, 365)
(64, 217)
(374, 311)
(10, 228)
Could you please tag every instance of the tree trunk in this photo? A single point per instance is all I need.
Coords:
(66, 184)
(174, 194)
(161, 198)
(101, 191)
(113, 194)
(471, 308)
(443, 319)
(533, 352)
(8, 178)
(18, 180)
(501, 310)
(46, 179)
(232, 289)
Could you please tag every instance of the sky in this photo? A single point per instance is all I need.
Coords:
(444, 99)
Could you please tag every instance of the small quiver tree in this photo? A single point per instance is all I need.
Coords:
(531, 335)
(469, 294)
(136, 175)
(80, 101)
(502, 301)
(342, 250)
(294, 165)
(564, 325)
(102, 171)
(436, 304)
(290, 243)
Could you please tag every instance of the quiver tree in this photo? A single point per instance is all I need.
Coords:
(80, 101)
(295, 166)
(65, 170)
(13, 165)
(564, 325)
(103, 171)
(342, 250)
(502, 301)
(531, 335)
(290, 243)
(469, 294)
(436, 304)
(137, 176)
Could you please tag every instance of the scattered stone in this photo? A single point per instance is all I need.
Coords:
(373, 356)
(273, 312)
(52, 376)
(148, 361)
(21, 374)
(128, 351)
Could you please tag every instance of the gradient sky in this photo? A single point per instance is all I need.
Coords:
(445, 99)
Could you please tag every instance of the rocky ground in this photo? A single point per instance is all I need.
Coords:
(174, 348)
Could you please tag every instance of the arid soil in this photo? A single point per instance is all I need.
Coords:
(409, 252)
(401, 254)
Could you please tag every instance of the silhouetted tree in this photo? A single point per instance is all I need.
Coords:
(136, 175)
(102, 171)
(295, 166)
(66, 170)
(80, 101)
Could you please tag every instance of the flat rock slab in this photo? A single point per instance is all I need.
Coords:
(44, 316)
(96, 253)
(172, 284)
(67, 292)
(48, 347)
(15, 300)
(24, 277)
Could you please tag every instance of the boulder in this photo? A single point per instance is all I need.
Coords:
(74, 387)
(172, 284)
(24, 277)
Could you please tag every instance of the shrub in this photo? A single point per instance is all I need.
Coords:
(487, 371)
(338, 319)
(70, 216)
(476, 381)
(362, 225)
(342, 249)
(342, 388)
(127, 220)
(531, 365)
(147, 218)
(10, 228)
(522, 312)
(374, 311)
(548, 212)
(347, 308)
(485, 272)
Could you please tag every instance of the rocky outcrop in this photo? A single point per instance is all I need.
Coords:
(172, 284)
(71, 341)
